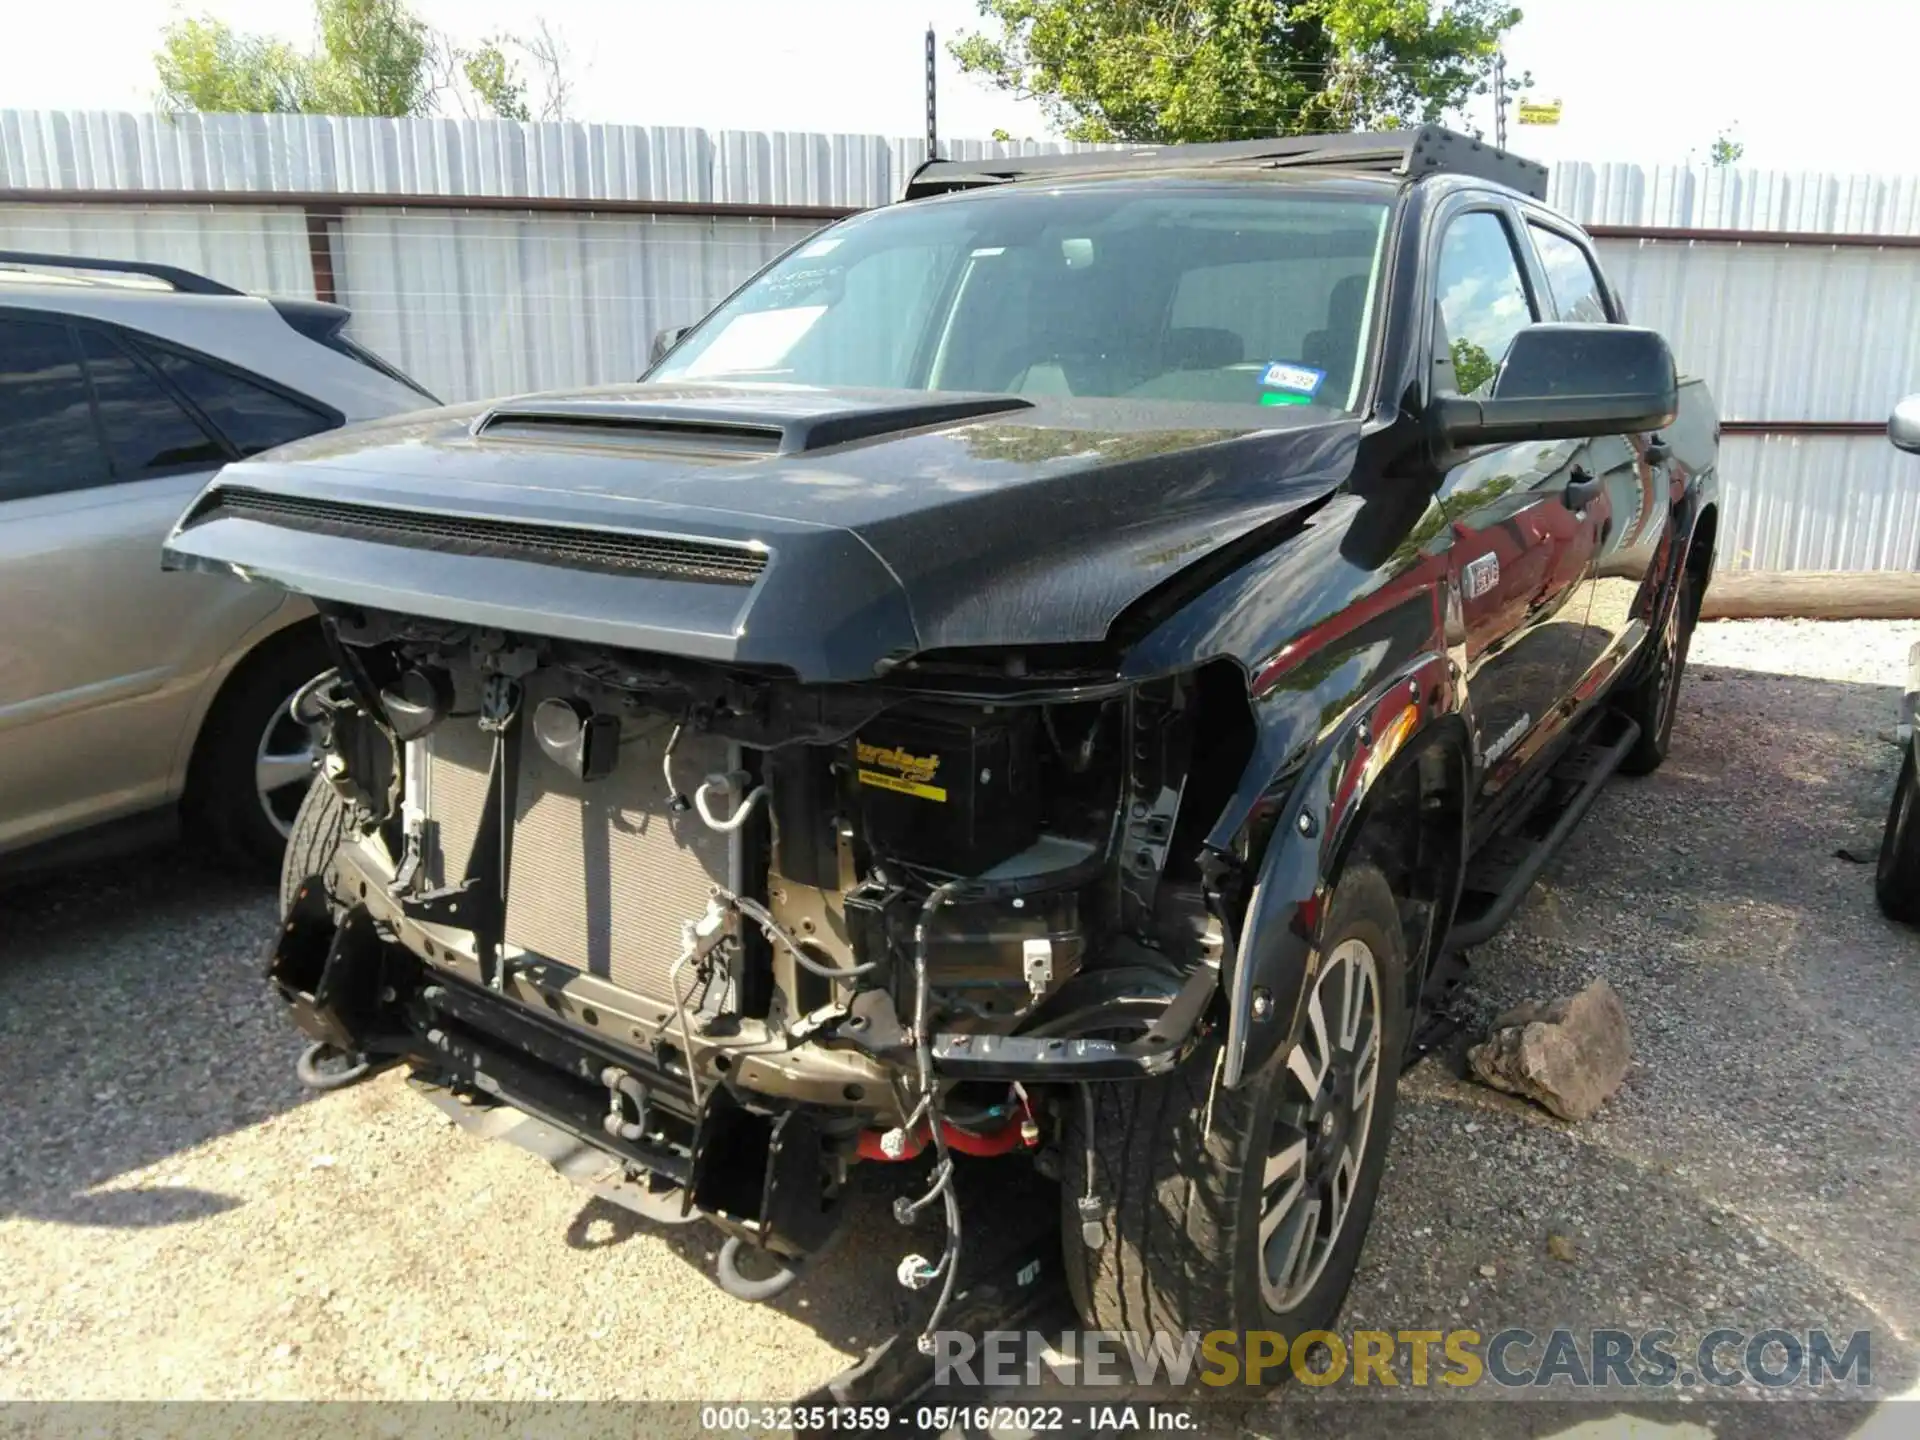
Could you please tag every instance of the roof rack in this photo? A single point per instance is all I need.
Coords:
(1414, 152)
(184, 281)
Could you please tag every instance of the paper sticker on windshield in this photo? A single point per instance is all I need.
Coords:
(1297, 379)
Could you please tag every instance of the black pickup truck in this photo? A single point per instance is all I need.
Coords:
(1052, 669)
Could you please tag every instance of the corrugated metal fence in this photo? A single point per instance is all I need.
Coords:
(489, 257)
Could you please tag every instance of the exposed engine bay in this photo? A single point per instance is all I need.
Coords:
(740, 932)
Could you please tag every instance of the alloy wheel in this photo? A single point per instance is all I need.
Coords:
(1668, 695)
(284, 763)
(1319, 1143)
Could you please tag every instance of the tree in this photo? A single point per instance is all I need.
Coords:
(1473, 367)
(1726, 150)
(205, 65)
(1182, 70)
(372, 57)
(495, 81)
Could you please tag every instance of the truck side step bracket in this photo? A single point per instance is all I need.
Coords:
(1499, 878)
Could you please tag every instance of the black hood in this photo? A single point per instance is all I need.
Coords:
(820, 531)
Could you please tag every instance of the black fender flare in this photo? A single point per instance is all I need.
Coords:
(1700, 495)
(1275, 957)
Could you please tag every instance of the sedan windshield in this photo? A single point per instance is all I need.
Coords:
(1169, 290)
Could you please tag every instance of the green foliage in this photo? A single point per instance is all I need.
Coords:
(1472, 366)
(1187, 70)
(495, 81)
(372, 57)
(205, 65)
(1726, 150)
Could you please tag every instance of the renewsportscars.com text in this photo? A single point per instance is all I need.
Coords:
(1512, 1358)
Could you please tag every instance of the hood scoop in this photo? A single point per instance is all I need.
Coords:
(730, 422)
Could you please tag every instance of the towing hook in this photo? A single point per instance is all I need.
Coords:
(727, 1272)
(727, 1267)
(325, 1066)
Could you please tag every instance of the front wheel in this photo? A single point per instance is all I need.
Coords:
(1896, 879)
(1246, 1209)
(318, 828)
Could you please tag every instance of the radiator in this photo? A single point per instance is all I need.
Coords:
(603, 873)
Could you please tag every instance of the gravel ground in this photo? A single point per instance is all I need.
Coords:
(179, 1219)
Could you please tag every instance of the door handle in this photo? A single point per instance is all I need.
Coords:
(1658, 451)
(1582, 490)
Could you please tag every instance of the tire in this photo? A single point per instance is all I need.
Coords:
(317, 832)
(224, 801)
(1655, 699)
(1896, 879)
(1181, 1165)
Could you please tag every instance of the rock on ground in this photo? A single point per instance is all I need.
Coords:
(1568, 1056)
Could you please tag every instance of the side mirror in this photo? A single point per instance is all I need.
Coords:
(1563, 382)
(665, 340)
(1904, 428)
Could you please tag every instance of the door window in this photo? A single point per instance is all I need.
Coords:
(252, 417)
(1483, 301)
(47, 438)
(147, 431)
(1577, 293)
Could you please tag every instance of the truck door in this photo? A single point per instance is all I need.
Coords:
(1520, 550)
(1629, 515)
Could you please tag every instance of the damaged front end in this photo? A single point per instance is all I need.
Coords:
(736, 933)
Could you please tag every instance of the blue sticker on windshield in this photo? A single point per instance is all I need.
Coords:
(1283, 375)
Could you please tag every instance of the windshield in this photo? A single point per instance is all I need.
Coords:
(1170, 291)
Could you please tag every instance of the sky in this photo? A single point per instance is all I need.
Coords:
(1814, 87)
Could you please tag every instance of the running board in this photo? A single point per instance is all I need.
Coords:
(1507, 866)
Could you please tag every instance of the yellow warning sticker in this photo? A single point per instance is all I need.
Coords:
(900, 786)
(892, 757)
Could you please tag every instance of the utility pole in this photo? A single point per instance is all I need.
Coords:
(1500, 99)
(933, 128)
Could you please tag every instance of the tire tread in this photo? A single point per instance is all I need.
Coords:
(317, 831)
(1896, 880)
(1173, 1183)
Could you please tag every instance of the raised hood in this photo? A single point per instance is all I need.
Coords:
(823, 532)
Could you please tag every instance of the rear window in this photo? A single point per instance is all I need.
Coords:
(347, 345)
(1577, 292)
(47, 439)
(147, 431)
(252, 417)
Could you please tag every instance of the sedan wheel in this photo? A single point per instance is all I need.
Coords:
(284, 764)
(254, 762)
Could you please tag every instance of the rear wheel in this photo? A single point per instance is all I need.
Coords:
(255, 761)
(1896, 879)
(1247, 1209)
(1654, 700)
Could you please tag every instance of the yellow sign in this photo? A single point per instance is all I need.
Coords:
(910, 772)
(1539, 112)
